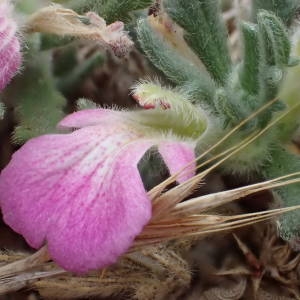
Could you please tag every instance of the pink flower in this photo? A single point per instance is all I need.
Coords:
(81, 192)
(10, 55)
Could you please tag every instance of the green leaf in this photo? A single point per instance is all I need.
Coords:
(110, 10)
(266, 57)
(283, 163)
(204, 32)
(225, 107)
(176, 68)
(284, 9)
(274, 38)
(276, 48)
(250, 68)
(39, 104)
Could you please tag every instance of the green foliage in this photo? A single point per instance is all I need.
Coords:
(257, 79)
(164, 56)
(276, 54)
(250, 68)
(204, 32)
(40, 105)
(227, 93)
(238, 90)
(252, 159)
(110, 10)
(242, 89)
(284, 9)
(176, 68)
(283, 163)
(275, 39)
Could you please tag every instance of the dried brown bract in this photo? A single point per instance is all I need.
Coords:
(267, 260)
(55, 19)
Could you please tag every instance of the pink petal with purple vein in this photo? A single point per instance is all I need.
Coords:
(10, 55)
(81, 192)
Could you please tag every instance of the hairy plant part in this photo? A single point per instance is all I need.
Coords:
(10, 50)
(166, 218)
(230, 91)
(82, 200)
(57, 20)
(122, 139)
(153, 273)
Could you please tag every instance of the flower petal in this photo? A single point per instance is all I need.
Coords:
(80, 193)
(89, 117)
(178, 156)
(10, 55)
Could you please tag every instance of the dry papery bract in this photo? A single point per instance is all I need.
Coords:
(269, 266)
(154, 267)
(55, 19)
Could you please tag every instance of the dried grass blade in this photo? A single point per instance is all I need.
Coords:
(36, 259)
(16, 282)
(206, 202)
(178, 230)
(156, 192)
